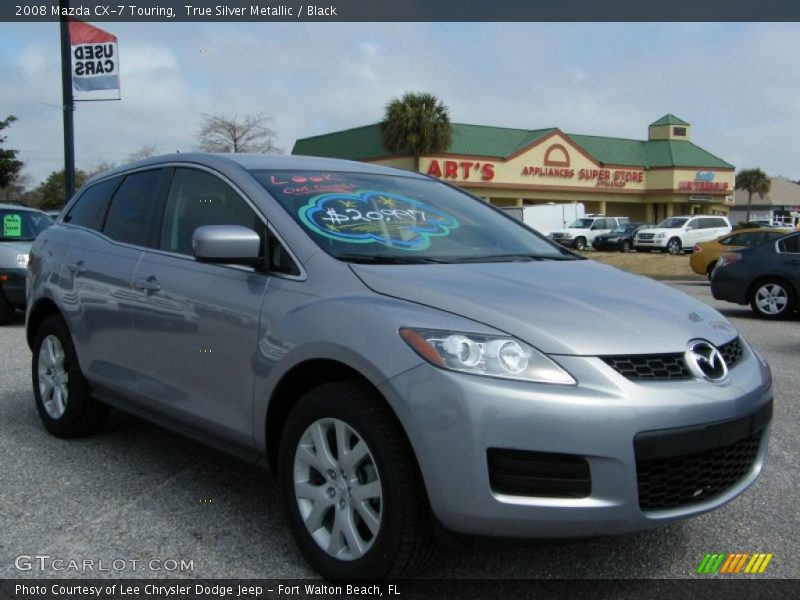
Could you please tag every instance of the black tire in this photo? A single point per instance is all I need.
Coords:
(625, 246)
(674, 246)
(405, 538)
(710, 269)
(783, 289)
(580, 243)
(6, 310)
(82, 413)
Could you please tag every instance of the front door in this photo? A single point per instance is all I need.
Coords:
(196, 325)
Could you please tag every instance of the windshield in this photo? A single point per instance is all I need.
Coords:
(581, 224)
(672, 223)
(362, 217)
(624, 229)
(22, 225)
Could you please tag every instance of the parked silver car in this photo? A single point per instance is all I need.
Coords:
(407, 358)
(19, 226)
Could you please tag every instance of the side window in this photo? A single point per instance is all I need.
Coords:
(790, 245)
(90, 208)
(730, 240)
(198, 198)
(133, 207)
(719, 223)
(746, 239)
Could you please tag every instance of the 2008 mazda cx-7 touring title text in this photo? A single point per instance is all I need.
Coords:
(408, 359)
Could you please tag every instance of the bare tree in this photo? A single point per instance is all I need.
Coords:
(249, 133)
(145, 151)
(98, 167)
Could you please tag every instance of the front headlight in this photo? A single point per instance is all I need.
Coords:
(22, 261)
(566, 234)
(661, 236)
(493, 356)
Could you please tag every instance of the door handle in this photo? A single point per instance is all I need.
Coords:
(77, 268)
(147, 285)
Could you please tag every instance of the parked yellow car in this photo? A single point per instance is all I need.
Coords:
(705, 254)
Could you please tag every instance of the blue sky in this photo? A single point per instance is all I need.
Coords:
(737, 84)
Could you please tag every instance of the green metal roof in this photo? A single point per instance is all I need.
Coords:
(363, 143)
(669, 119)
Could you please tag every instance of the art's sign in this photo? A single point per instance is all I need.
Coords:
(95, 60)
(369, 216)
(463, 170)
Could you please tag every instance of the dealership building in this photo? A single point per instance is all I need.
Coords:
(646, 180)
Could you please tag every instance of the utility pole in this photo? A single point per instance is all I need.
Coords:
(68, 103)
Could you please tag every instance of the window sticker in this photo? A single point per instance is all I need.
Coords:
(12, 226)
(369, 216)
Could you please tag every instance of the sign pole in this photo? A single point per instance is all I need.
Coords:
(67, 102)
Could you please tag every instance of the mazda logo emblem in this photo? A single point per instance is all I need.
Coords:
(705, 361)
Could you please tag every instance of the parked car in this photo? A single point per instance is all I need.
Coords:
(20, 225)
(766, 276)
(677, 234)
(583, 231)
(705, 254)
(395, 350)
(620, 238)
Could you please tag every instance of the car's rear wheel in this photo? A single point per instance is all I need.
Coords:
(773, 299)
(60, 391)
(349, 484)
(580, 243)
(625, 246)
(674, 246)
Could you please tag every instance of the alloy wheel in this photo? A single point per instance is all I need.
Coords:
(772, 299)
(53, 377)
(674, 246)
(338, 489)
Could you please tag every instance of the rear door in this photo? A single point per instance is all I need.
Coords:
(789, 254)
(196, 324)
(112, 222)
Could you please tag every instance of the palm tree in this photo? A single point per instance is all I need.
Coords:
(755, 181)
(417, 123)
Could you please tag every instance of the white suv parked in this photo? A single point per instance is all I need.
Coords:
(677, 234)
(582, 232)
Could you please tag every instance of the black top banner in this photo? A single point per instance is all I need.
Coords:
(403, 10)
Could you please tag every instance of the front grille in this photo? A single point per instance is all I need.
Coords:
(653, 367)
(646, 236)
(678, 467)
(681, 480)
(544, 474)
(557, 236)
(732, 352)
(667, 366)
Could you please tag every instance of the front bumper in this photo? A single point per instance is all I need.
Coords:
(453, 419)
(568, 242)
(611, 244)
(654, 244)
(12, 286)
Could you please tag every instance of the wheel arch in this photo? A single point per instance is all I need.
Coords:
(301, 378)
(40, 311)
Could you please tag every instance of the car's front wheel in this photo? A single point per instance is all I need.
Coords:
(349, 484)
(580, 243)
(59, 389)
(625, 246)
(773, 299)
(674, 246)
(6, 310)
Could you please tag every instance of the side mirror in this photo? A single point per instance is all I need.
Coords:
(227, 244)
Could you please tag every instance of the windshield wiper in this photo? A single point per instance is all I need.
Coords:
(510, 258)
(382, 259)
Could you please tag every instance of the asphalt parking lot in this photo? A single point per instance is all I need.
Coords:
(136, 492)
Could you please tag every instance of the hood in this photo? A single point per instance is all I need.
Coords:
(561, 307)
(15, 247)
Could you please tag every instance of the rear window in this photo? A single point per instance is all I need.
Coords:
(367, 217)
(22, 225)
(90, 207)
(133, 208)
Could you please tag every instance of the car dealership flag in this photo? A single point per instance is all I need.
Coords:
(95, 61)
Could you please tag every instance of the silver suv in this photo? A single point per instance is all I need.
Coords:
(408, 359)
